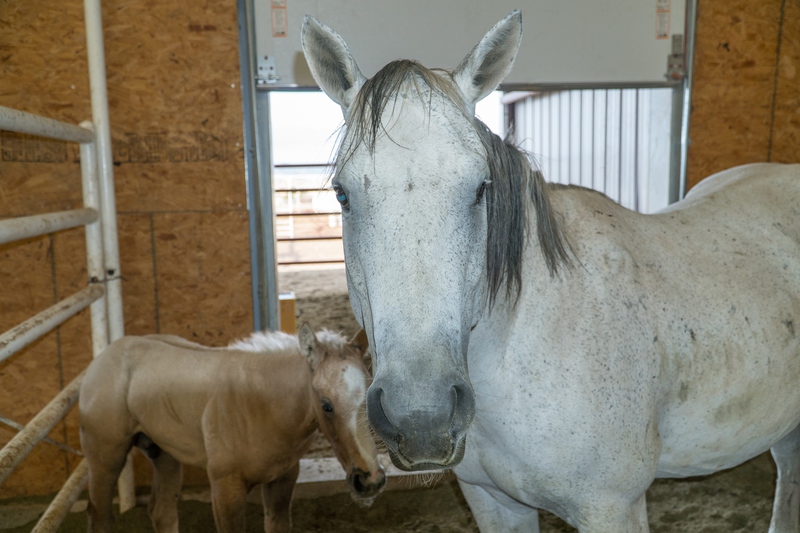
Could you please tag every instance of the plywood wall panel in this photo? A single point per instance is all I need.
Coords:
(43, 67)
(734, 74)
(203, 278)
(211, 185)
(29, 188)
(138, 276)
(786, 125)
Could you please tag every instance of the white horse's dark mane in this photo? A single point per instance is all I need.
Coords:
(513, 184)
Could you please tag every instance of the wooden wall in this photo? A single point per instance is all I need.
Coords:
(176, 116)
(746, 94)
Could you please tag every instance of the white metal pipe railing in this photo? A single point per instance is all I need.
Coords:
(94, 242)
(64, 500)
(19, 228)
(22, 122)
(20, 336)
(19, 427)
(105, 165)
(23, 442)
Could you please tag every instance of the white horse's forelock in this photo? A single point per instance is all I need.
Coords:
(280, 342)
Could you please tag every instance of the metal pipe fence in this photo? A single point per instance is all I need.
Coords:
(103, 293)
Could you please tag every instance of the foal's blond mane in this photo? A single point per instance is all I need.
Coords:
(278, 342)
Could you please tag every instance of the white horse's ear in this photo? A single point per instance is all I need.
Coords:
(490, 61)
(308, 344)
(331, 62)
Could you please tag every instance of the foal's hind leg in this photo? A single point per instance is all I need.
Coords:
(228, 500)
(105, 460)
(277, 497)
(786, 506)
(167, 481)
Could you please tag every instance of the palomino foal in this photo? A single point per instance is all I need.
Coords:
(246, 413)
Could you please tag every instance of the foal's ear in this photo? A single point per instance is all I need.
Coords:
(308, 344)
(331, 62)
(491, 60)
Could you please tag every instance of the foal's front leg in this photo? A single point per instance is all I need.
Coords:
(228, 501)
(277, 498)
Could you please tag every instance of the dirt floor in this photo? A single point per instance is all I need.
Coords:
(739, 500)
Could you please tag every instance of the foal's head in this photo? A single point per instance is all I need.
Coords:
(339, 383)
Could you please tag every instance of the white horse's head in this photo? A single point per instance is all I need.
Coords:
(422, 182)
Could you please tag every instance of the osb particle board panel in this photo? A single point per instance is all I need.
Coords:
(182, 186)
(173, 77)
(203, 276)
(786, 125)
(69, 253)
(29, 188)
(733, 84)
(174, 98)
(43, 51)
(138, 277)
(26, 275)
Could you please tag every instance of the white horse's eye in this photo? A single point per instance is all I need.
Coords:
(341, 197)
(481, 190)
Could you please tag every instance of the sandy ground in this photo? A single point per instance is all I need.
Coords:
(738, 500)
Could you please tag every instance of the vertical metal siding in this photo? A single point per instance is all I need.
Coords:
(597, 138)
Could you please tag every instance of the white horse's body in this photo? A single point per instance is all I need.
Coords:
(669, 351)
(632, 346)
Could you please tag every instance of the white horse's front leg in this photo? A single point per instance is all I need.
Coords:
(787, 493)
(497, 513)
(614, 515)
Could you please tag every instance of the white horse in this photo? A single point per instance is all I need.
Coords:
(569, 372)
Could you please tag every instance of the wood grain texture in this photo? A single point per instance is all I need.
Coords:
(732, 93)
(746, 95)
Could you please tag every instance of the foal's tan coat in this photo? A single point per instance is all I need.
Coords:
(246, 413)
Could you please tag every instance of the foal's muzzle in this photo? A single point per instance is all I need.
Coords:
(422, 431)
(366, 485)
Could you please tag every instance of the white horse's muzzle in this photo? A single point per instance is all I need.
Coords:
(423, 430)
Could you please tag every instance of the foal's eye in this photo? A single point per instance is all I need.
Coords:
(341, 197)
(327, 406)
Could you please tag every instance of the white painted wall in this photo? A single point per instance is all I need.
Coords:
(565, 41)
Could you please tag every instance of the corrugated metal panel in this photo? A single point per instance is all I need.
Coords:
(604, 139)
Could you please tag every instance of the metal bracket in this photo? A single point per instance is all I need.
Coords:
(267, 72)
(676, 61)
